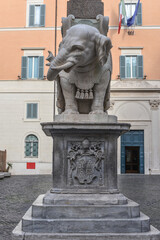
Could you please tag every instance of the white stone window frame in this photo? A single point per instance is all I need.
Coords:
(31, 159)
(131, 1)
(31, 147)
(31, 2)
(38, 111)
(131, 51)
(33, 52)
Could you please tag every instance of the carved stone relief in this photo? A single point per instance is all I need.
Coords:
(154, 104)
(85, 163)
(112, 103)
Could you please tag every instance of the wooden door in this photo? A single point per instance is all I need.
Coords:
(2, 161)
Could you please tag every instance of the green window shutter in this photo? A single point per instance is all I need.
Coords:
(31, 15)
(122, 66)
(123, 20)
(139, 15)
(28, 149)
(35, 149)
(140, 66)
(24, 67)
(34, 110)
(42, 16)
(29, 110)
(41, 67)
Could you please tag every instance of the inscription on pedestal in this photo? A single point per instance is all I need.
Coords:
(85, 163)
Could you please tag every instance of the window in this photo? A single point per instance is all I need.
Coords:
(32, 67)
(37, 15)
(32, 111)
(31, 146)
(131, 66)
(130, 9)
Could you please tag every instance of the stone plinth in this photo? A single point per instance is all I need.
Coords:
(85, 156)
(84, 202)
(92, 8)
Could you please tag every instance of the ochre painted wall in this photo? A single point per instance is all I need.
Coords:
(14, 35)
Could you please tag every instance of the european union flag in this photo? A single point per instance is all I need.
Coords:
(131, 20)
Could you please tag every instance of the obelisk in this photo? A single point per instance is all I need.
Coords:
(85, 9)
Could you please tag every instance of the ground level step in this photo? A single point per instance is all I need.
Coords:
(18, 234)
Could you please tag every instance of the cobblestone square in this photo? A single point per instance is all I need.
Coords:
(18, 193)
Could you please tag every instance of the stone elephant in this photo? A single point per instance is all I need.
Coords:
(82, 69)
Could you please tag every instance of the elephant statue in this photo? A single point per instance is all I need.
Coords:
(83, 70)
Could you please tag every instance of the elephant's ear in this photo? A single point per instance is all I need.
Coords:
(103, 46)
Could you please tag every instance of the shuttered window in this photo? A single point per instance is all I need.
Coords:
(31, 146)
(32, 111)
(131, 66)
(130, 9)
(37, 15)
(32, 67)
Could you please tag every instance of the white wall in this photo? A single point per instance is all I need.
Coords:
(131, 103)
(14, 127)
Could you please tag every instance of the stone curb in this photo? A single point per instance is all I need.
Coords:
(4, 174)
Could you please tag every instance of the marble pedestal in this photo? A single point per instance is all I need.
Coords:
(85, 202)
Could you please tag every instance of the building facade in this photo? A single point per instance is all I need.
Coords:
(31, 28)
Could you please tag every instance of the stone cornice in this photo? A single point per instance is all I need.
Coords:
(136, 85)
(131, 47)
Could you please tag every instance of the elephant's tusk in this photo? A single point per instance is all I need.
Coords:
(64, 66)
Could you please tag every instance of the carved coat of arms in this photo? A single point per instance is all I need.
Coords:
(85, 163)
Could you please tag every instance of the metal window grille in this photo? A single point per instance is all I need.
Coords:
(31, 146)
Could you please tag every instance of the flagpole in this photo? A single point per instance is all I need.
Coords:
(55, 53)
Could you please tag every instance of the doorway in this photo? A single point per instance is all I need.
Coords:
(132, 152)
(132, 159)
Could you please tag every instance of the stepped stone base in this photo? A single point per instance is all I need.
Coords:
(85, 221)
(18, 234)
(85, 203)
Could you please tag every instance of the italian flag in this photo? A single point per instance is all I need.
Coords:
(122, 14)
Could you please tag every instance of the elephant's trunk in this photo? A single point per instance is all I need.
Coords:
(55, 70)
(58, 64)
(65, 66)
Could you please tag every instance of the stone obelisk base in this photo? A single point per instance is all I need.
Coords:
(85, 203)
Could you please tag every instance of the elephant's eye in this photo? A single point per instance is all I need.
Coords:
(77, 47)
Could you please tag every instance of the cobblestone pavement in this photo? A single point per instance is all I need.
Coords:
(18, 193)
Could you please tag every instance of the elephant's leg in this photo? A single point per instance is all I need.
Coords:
(69, 96)
(99, 93)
